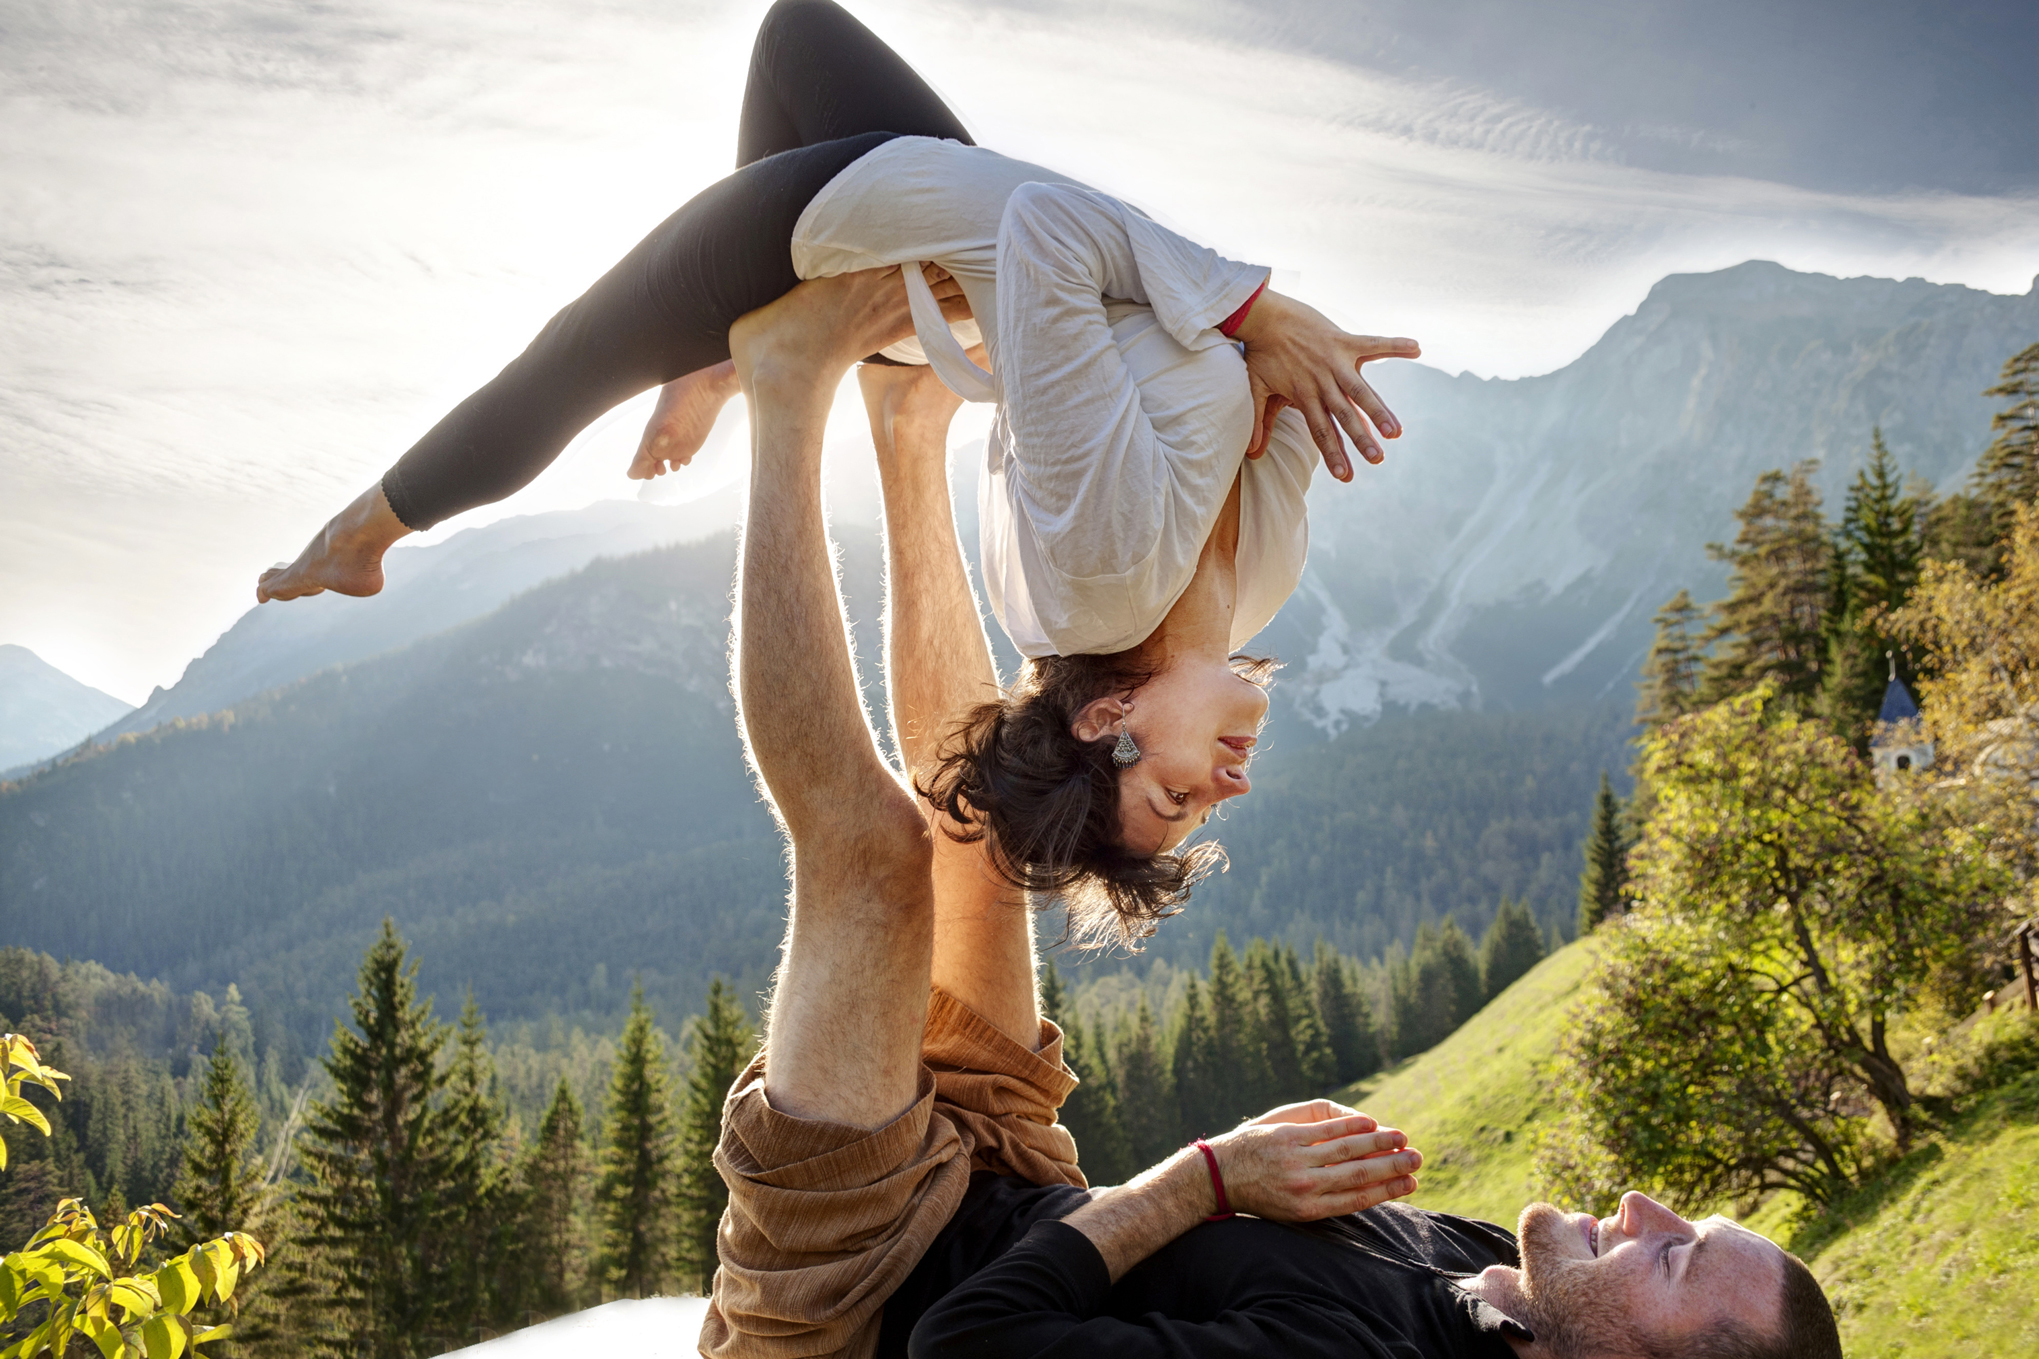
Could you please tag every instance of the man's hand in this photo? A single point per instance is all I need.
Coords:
(1296, 357)
(1313, 1160)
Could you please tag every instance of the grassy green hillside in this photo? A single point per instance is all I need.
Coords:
(1936, 1256)
(1470, 1103)
(1933, 1258)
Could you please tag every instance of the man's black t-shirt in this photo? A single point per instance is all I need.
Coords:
(1007, 1278)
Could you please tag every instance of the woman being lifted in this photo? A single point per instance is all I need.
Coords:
(1159, 415)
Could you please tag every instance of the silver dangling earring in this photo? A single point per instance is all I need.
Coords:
(1125, 754)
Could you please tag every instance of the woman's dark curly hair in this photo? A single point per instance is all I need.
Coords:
(1045, 804)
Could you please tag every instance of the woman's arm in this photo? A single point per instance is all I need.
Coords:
(1296, 357)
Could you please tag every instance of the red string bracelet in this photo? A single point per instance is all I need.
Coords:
(1217, 1183)
(1230, 325)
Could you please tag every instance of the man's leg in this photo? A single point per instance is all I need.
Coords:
(841, 1169)
(998, 1069)
(843, 1037)
(938, 667)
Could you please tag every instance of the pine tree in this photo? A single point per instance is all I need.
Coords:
(1275, 1023)
(380, 1207)
(1238, 1065)
(1772, 625)
(481, 1193)
(1147, 1107)
(2007, 474)
(633, 1198)
(1603, 883)
(1669, 687)
(1348, 1018)
(1193, 1063)
(222, 1188)
(1876, 563)
(1313, 1041)
(719, 1046)
(1513, 945)
(1091, 1113)
(555, 1243)
(1437, 989)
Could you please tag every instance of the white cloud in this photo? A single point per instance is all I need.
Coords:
(249, 252)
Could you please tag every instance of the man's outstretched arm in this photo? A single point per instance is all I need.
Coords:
(939, 666)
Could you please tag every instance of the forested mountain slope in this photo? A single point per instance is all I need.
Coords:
(428, 590)
(549, 800)
(552, 800)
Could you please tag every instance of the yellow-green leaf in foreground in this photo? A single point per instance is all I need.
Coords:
(16, 1107)
(135, 1297)
(226, 1267)
(106, 1336)
(78, 1254)
(178, 1286)
(162, 1338)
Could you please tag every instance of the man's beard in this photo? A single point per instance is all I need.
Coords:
(1567, 1304)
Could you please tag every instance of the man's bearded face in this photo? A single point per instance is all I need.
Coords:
(1644, 1278)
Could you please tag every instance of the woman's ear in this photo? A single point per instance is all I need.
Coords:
(1097, 719)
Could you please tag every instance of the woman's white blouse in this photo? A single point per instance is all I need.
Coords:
(1123, 414)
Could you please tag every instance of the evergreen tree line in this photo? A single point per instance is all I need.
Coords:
(1812, 602)
(135, 1054)
(408, 1212)
(1261, 1029)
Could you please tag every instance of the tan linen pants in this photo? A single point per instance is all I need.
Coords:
(826, 1219)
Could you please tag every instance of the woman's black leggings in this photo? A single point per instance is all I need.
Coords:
(823, 91)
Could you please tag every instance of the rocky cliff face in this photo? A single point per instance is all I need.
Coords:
(1514, 547)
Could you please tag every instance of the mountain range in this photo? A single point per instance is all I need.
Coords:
(1510, 552)
(43, 710)
(523, 750)
(1514, 547)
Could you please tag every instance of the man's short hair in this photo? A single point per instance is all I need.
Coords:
(1806, 1328)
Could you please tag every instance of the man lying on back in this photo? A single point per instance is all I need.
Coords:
(1136, 1272)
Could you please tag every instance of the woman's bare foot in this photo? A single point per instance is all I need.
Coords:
(345, 556)
(687, 408)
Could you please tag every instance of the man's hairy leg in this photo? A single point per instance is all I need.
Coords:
(938, 665)
(843, 1036)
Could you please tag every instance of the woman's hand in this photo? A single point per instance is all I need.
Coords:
(1318, 1159)
(1296, 357)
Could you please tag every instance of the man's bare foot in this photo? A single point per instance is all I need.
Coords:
(687, 409)
(903, 397)
(345, 556)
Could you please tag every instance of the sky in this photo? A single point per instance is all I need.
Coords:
(249, 251)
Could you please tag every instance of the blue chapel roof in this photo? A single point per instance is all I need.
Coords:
(1897, 703)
